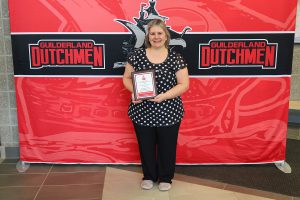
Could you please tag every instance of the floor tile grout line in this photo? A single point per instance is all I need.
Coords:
(15, 186)
(75, 172)
(42, 183)
(14, 173)
(104, 181)
(18, 173)
(75, 184)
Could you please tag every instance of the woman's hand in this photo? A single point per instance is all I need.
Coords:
(133, 101)
(159, 98)
(182, 77)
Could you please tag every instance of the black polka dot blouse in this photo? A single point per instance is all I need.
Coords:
(168, 112)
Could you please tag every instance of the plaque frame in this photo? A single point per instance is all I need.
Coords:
(136, 85)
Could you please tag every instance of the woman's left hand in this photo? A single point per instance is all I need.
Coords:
(159, 98)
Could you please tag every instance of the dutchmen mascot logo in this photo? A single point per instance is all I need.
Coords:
(140, 27)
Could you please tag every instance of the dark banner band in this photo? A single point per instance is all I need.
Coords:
(105, 54)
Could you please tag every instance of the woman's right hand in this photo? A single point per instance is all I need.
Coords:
(133, 101)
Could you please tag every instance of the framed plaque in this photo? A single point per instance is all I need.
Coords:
(144, 85)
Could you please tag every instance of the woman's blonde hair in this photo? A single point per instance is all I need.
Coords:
(161, 24)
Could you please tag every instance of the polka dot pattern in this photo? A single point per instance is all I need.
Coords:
(168, 112)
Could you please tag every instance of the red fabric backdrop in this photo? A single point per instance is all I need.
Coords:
(81, 119)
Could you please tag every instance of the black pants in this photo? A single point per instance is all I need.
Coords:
(158, 151)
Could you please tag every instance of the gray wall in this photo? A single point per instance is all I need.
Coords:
(8, 121)
(8, 117)
(295, 90)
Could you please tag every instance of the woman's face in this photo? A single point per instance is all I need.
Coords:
(157, 37)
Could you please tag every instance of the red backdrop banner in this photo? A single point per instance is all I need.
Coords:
(72, 105)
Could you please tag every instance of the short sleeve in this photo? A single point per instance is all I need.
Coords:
(180, 62)
(130, 59)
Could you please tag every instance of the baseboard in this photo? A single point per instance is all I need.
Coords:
(294, 117)
(9, 152)
(2, 152)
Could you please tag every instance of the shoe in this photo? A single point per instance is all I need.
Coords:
(164, 186)
(147, 184)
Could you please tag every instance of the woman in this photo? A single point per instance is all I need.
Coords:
(156, 121)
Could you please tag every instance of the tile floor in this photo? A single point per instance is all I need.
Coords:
(91, 182)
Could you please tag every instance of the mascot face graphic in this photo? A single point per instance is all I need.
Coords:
(140, 27)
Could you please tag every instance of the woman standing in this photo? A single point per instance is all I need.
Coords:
(156, 121)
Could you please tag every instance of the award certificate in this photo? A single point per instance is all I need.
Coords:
(144, 86)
